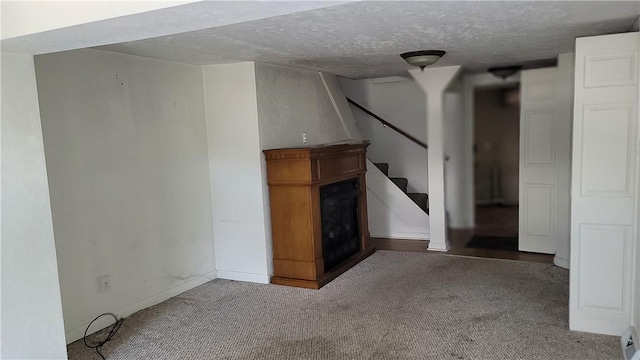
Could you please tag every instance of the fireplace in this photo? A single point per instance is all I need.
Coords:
(318, 203)
(340, 224)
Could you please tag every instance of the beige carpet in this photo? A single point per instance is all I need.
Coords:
(393, 305)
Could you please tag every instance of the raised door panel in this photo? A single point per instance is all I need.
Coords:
(605, 163)
(611, 70)
(539, 139)
(538, 218)
(602, 285)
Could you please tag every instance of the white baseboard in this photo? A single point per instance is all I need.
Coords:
(77, 333)
(241, 276)
(398, 235)
(563, 263)
(433, 246)
(599, 325)
(461, 227)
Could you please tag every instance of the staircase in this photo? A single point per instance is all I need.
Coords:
(421, 199)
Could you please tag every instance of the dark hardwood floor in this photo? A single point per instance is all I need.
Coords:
(458, 240)
(498, 221)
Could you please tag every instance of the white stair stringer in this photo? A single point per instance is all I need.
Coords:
(392, 214)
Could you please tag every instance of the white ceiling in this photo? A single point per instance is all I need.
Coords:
(364, 39)
(75, 24)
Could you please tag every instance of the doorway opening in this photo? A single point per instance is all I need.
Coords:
(494, 148)
(496, 159)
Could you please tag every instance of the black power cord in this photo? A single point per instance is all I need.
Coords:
(114, 329)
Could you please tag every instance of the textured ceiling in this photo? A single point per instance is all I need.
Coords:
(196, 15)
(363, 39)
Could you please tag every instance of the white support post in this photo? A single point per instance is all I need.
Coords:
(434, 82)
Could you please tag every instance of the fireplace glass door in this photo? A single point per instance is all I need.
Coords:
(339, 216)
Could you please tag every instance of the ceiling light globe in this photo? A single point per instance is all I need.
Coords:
(422, 58)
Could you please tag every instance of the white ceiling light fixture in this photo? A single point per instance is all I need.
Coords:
(423, 58)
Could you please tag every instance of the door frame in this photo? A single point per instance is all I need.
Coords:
(469, 85)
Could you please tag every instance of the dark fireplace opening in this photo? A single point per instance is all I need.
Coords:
(340, 225)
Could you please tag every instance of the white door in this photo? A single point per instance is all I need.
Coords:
(538, 166)
(603, 195)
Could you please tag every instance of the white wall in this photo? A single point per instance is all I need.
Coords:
(126, 147)
(636, 321)
(341, 106)
(240, 226)
(32, 325)
(292, 101)
(401, 102)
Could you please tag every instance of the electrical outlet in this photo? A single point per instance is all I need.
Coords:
(304, 137)
(103, 283)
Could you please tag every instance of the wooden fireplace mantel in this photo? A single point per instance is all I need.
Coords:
(295, 176)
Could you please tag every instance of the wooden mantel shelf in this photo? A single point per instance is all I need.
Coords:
(295, 177)
(317, 151)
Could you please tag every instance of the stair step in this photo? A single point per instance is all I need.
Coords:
(421, 199)
(384, 167)
(402, 183)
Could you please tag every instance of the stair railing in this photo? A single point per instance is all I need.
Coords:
(386, 123)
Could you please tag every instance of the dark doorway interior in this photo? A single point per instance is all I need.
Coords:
(496, 164)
